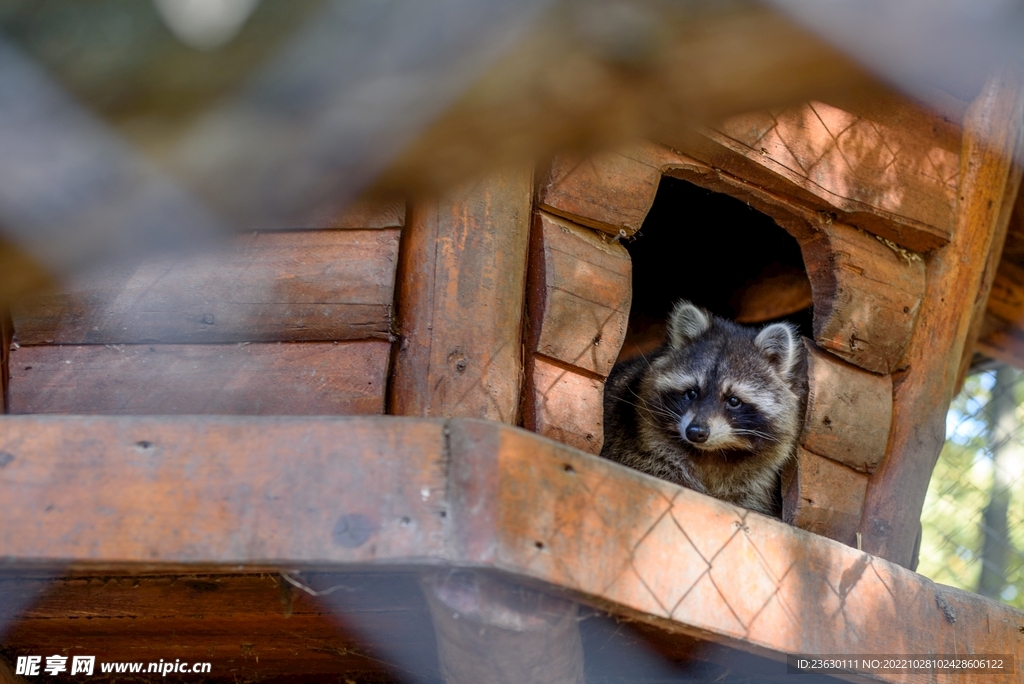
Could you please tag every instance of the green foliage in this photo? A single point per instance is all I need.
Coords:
(959, 491)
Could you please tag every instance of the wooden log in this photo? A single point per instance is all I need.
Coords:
(866, 296)
(1011, 209)
(264, 287)
(492, 631)
(316, 378)
(824, 497)
(890, 168)
(220, 492)
(849, 412)
(363, 214)
(564, 404)
(610, 191)
(460, 301)
(580, 289)
(921, 395)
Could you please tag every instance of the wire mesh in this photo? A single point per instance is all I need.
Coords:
(973, 517)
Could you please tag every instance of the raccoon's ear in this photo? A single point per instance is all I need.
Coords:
(778, 343)
(686, 323)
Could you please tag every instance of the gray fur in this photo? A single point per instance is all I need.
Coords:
(709, 361)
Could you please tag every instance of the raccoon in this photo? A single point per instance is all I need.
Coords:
(718, 408)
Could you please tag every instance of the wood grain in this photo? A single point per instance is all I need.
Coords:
(849, 413)
(922, 393)
(609, 191)
(890, 168)
(248, 627)
(264, 287)
(219, 492)
(564, 404)
(460, 302)
(580, 289)
(363, 214)
(258, 379)
(866, 296)
(825, 497)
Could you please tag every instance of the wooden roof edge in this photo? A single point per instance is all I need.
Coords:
(144, 493)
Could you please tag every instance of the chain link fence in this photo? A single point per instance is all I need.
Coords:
(973, 518)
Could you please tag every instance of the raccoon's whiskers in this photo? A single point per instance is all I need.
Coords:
(758, 433)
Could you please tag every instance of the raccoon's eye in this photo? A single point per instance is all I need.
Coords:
(691, 394)
(733, 402)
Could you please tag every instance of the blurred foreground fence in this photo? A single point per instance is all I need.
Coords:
(973, 518)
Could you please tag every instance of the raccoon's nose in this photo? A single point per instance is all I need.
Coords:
(697, 433)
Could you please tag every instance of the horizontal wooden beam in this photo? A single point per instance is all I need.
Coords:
(323, 285)
(309, 378)
(219, 493)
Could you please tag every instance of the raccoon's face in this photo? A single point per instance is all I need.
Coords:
(724, 388)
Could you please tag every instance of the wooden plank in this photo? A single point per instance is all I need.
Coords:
(922, 394)
(564, 404)
(245, 626)
(1010, 206)
(314, 378)
(849, 412)
(890, 168)
(666, 556)
(460, 302)
(825, 497)
(263, 287)
(219, 492)
(580, 289)
(1000, 335)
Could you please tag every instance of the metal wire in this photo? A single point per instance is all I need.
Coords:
(973, 518)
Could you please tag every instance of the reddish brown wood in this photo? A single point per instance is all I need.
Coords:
(264, 287)
(849, 413)
(1009, 208)
(460, 301)
(922, 392)
(1001, 336)
(563, 403)
(220, 492)
(890, 168)
(866, 296)
(316, 378)
(579, 295)
(364, 213)
(248, 627)
(781, 291)
(610, 191)
(825, 497)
